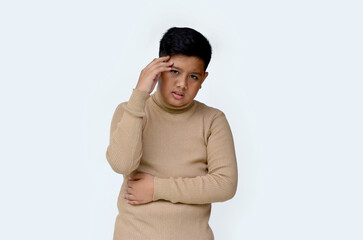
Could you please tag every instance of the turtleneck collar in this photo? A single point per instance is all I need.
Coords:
(160, 101)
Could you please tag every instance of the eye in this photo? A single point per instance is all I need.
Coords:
(194, 77)
(174, 71)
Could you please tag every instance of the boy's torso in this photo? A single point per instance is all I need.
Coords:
(174, 145)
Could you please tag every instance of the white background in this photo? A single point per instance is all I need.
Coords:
(287, 74)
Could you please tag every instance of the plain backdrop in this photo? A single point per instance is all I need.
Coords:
(287, 74)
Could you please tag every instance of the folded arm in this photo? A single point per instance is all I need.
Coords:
(219, 184)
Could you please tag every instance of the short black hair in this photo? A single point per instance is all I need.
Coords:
(187, 41)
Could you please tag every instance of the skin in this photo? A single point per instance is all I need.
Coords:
(179, 74)
(186, 77)
(140, 188)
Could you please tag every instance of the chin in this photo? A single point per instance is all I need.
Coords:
(176, 104)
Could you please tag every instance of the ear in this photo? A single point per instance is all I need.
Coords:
(205, 76)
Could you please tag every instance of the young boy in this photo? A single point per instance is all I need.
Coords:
(176, 154)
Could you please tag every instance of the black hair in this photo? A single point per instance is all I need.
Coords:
(187, 41)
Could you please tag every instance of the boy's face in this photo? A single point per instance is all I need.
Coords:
(181, 84)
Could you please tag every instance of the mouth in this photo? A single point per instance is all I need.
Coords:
(178, 95)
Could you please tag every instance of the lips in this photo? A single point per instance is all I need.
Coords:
(179, 93)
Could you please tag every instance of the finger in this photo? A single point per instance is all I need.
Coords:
(129, 190)
(130, 184)
(129, 197)
(159, 69)
(156, 68)
(156, 61)
(160, 64)
(155, 81)
(164, 58)
(133, 202)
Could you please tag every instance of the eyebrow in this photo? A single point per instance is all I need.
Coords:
(182, 70)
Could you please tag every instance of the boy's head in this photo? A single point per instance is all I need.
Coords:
(190, 53)
(186, 41)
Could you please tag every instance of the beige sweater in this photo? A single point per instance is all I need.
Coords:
(190, 152)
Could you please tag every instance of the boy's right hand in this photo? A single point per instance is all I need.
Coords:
(151, 73)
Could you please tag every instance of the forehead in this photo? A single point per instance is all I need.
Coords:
(188, 63)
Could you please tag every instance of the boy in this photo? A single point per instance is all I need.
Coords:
(176, 154)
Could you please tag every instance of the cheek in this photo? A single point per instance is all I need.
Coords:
(193, 84)
(195, 88)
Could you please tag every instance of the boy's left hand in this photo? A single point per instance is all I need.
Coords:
(140, 188)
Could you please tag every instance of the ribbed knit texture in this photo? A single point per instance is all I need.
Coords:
(190, 152)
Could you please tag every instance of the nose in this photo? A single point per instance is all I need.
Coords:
(182, 82)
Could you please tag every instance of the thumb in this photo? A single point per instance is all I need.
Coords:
(157, 76)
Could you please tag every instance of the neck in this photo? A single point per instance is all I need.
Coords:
(160, 101)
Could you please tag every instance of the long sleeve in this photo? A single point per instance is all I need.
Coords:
(124, 151)
(219, 184)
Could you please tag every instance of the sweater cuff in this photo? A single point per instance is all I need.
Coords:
(137, 100)
(160, 188)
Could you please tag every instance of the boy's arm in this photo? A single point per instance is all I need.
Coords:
(124, 151)
(218, 185)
